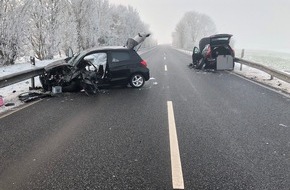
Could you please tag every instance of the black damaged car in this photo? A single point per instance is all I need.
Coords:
(97, 67)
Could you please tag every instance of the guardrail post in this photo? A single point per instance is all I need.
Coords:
(32, 61)
(242, 56)
(243, 53)
(32, 83)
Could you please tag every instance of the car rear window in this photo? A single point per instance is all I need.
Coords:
(220, 39)
(120, 56)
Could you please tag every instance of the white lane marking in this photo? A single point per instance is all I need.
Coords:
(176, 169)
(282, 125)
(165, 67)
(164, 58)
(21, 108)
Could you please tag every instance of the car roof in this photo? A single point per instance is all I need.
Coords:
(221, 36)
(104, 48)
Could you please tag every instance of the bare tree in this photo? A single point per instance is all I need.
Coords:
(191, 28)
(43, 23)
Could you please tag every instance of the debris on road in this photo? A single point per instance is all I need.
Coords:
(1, 101)
(31, 96)
(9, 104)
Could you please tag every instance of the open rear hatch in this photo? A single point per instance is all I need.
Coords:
(137, 40)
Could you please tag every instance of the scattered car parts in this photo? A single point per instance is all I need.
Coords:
(31, 96)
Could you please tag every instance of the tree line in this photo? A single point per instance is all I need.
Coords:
(45, 28)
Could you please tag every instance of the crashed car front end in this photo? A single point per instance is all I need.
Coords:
(71, 78)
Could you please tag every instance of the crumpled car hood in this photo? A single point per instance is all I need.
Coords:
(56, 64)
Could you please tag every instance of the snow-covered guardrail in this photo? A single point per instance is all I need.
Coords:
(273, 72)
(20, 76)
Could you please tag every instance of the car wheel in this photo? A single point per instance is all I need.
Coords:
(137, 81)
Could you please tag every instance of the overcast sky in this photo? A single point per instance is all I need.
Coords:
(255, 24)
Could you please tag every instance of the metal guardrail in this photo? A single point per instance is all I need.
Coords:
(273, 72)
(20, 76)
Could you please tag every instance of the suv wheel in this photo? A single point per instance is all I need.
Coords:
(137, 80)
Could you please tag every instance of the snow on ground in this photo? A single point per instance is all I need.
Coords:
(10, 93)
(262, 77)
(7, 70)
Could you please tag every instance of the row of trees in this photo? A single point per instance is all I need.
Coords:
(44, 28)
(191, 28)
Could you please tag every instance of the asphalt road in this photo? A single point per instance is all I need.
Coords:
(231, 134)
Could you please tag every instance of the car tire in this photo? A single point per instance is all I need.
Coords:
(137, 80)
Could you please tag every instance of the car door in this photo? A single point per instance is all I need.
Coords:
(119, 66)
(196, 55)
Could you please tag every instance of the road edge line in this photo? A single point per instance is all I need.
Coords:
(18, 109)
(261, 84)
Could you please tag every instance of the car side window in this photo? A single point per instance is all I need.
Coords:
(97, 58)
(99, 61)
(120, 56)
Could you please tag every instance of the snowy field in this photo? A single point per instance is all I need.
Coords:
(280, 61)
(276, 60)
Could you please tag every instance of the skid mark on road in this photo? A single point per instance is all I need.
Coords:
(176, 169)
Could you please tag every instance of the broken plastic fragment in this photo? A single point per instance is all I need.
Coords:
(9, 104)
(1, 101)
(30, 96)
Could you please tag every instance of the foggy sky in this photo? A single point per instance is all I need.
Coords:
(255, 24)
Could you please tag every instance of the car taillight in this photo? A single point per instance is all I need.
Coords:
(143, 63)
(208, 53)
